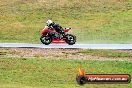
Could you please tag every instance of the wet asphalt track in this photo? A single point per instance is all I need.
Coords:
(82, 46)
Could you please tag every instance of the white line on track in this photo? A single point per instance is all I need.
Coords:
(81, 46)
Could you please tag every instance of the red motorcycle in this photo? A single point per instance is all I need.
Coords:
(49, 35)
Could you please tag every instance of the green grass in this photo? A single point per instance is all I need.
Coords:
(4, 53)
(93, 21)
(107, 53)
(47, 73)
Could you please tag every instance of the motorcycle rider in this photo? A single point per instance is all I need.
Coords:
(56, 27)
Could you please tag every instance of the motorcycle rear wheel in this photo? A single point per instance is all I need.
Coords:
(70, 39)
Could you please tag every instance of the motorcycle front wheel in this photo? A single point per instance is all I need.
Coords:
(46, 40)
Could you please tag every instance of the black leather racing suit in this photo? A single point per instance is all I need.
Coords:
(57, 28)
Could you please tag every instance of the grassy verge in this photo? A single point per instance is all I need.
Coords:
(45, 73)
(66, 53)
(93, 21)
(107, 53)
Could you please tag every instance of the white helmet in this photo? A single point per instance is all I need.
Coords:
(49, 22)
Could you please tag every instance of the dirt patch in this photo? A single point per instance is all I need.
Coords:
(55, 54)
